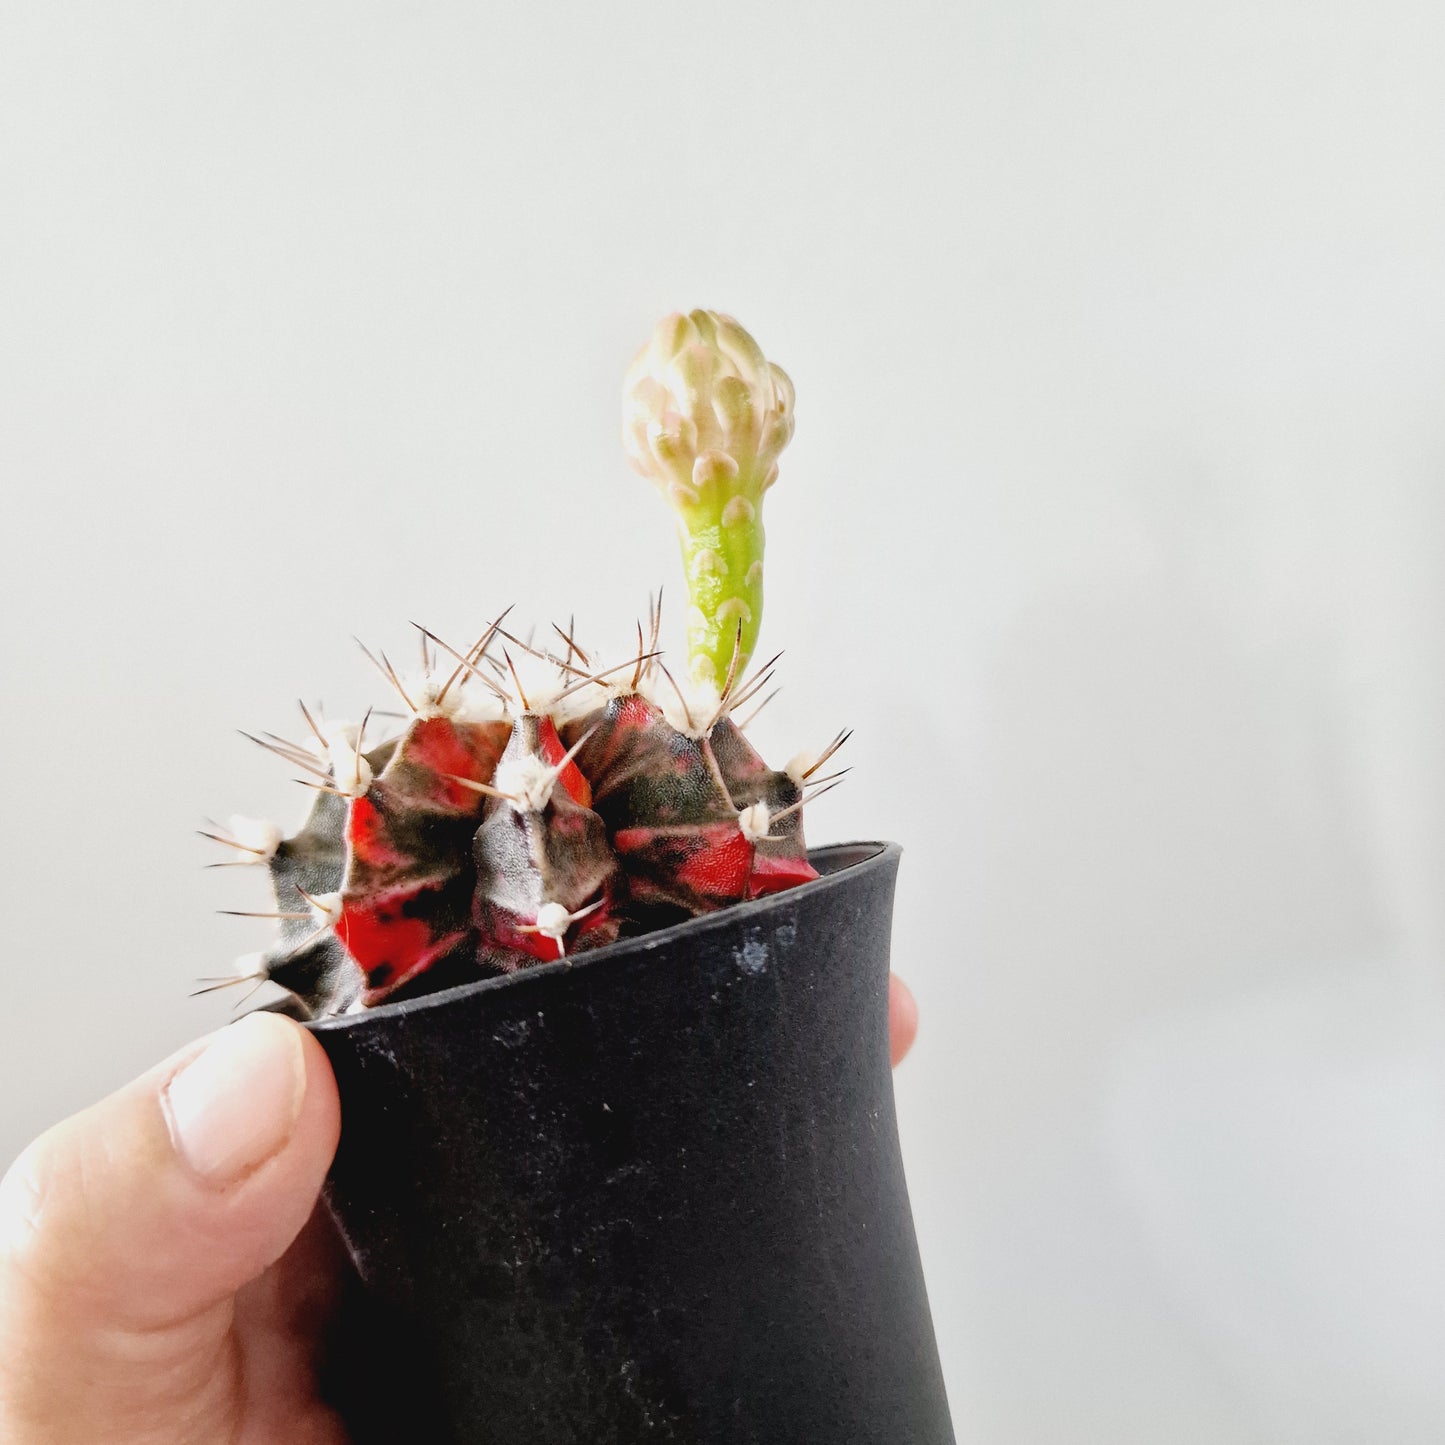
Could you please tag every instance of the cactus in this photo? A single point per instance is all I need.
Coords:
(513, 822)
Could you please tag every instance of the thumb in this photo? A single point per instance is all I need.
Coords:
(126, 1231)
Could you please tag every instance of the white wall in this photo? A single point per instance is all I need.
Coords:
(1113, 525)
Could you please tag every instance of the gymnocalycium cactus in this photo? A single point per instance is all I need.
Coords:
(512, 821)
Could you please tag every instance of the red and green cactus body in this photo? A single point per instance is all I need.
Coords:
(676, 806)
(545, 874)
(490, 837)
(409, 881)
(484, 847)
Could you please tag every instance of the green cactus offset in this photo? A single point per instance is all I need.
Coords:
(516, 820)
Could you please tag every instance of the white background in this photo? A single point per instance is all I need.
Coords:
(1113, 525)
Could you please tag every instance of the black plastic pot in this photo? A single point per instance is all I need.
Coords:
(652, 1194)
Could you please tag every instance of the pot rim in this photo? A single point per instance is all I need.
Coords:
(874, 854)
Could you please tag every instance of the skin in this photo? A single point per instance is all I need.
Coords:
(165, 1275)
(722, 557)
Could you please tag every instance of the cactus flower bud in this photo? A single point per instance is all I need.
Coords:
(705, 416)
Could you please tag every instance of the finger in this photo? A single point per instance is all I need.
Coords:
(902, 1019)
(283, 1322)
(126, 1230)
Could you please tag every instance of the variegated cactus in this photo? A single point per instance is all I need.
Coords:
(515, 821)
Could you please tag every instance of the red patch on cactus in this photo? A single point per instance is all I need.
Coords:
(393, 940)
(618, 743)
(514, 941)
(704, 867)
(370, 842)
(595, 929)
(409, 866)
(719, 865)
(552, 750)
(773, 874)
(781, 859)
(437, 750)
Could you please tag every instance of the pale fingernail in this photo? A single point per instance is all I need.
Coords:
(235, 1104)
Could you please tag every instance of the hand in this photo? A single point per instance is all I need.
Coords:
(902, 1019)
(165, 1277)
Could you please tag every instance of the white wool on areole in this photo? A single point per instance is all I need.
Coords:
(340, 736)
(453, 694)
(474, 704)
(531, 680)
(255, 835)
(424, 692)
(350, 772)
(800, 765)
(579, 704)
(754, 821)
(553, 921)
(544, 691)
(527, 780)
(326, 907)
(249, 965)
(687, 705)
